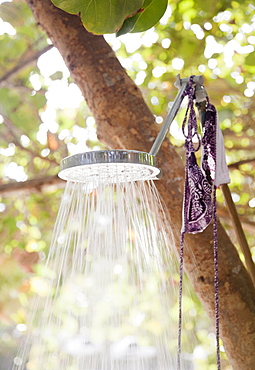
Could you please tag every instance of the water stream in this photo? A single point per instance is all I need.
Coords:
(110, 284)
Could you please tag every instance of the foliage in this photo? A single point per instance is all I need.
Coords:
(39, 126)
(153, 11)
(99, 16)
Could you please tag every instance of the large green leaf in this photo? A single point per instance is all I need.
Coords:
(151, 15)
(101, 16)
(153, 10)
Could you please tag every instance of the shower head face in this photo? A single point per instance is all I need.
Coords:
(109, 167)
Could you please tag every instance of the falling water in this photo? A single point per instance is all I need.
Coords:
(110, 284)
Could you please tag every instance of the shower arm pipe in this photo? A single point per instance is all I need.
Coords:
(181, 84)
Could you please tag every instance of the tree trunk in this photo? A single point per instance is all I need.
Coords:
(124, 121)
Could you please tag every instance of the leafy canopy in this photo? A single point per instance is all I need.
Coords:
(101, 16)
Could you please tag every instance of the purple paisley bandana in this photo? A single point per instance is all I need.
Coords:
(197, 207)
(197, 204)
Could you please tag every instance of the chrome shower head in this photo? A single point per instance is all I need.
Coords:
(109, 166)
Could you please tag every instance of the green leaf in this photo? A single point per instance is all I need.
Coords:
(128, 25)
(101, 16)
(250, 59)
(151, 15)
(153, 10)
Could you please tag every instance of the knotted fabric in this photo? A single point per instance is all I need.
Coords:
(199, 203)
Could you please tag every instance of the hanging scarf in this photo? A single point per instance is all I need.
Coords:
(199, 204)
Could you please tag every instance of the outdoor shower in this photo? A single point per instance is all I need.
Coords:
(112, 235)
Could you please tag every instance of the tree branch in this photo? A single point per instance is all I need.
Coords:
(246, 224)
(23, 88)
(239, 163)
(13, 138)
(23, 64)
(31, 185)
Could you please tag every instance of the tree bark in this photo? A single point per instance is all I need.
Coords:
(124, 121)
